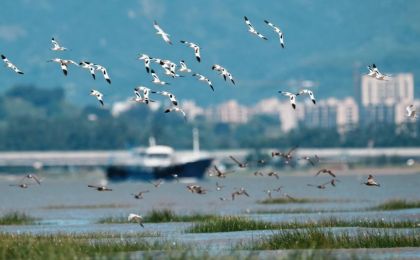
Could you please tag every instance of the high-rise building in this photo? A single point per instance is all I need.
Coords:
(380, 99)
(332, 113)
(229, 112)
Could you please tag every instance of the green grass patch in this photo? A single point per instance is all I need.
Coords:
(397, 204)
(237, 223)
(62, 246)
(160, 216)
(284, 200)
(17, 218)
(314, 238)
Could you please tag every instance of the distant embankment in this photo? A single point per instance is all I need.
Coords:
(105, 158)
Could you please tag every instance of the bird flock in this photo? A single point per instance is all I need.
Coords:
(170, 69)
(142, 94)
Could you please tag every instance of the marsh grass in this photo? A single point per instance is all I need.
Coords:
(17, 218)
(397, 204)
(64, 246)
(237, 223)
(314, 238)
(160, 216)
(303, 211)
(284, 200)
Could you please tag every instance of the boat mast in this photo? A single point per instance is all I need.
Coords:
(196, 140)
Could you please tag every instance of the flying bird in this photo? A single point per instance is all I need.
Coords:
(10, 65)
(171, 96)
(20, 185)
(56, 46)
(375, 73)
(89, 66)
(309, 93)
(291, 96)
(320, 186)
(278, 31)
(239, 192)
(224, 72)
(183, 67)
(104, 72)
(252, 30)
(176, 109)
(157, 184)
(195, 47)
(137, 218)
(203, 78)
(218, 173)
(258, 173)
(142, 94)
(275, 174)
(140, 194)
(326, 171)
(196, 189)
(268, 192)
(411, 112)
(239, 163)
(64, 64)
(98, 95)
(312, 160)
(371, 181)
(32, 177)
(162, 33)
(156, 79)
(146, 60)
(100, 188)
(286, 156)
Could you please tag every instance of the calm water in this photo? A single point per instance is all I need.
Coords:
(51, 200)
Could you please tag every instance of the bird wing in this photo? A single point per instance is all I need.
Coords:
(234, 159)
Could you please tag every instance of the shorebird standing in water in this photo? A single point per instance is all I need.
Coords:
(139, 195)
(219, 187)
(371, 181)
(268, 192)
(137, 218)
(100, 188)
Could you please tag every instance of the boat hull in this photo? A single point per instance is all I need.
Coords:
(195, 169)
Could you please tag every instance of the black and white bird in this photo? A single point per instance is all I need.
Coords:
(56, 46)
(278, 31)
(137, 218)
(162, 33)
(98, 96)
(371, 181)
(196, 189)
(375, 73)
(195, 47)
(88, 66)
(156, 79)
(411, 112)
(165, 64)
(64, 64)
(10, 65)
(32, 177)
(142, 94)
(100, 188)
(183, 67)
(239, 192)
(139, 195)
(291, 96)
(169, 95)
(104, 72)
(176, 109)
(203, 78)
(252, 30)
(146, 60)
(239, 163)
(224, 72)
(309, 93)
